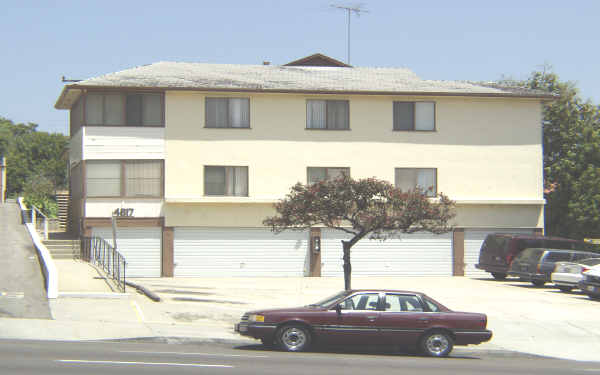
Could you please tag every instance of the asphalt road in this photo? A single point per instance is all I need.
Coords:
(22, 292)
(37, 357)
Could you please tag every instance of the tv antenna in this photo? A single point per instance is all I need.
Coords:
(356, 9)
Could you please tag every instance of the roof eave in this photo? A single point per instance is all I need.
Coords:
(60, 104)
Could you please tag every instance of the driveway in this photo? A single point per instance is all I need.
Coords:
(22, 292)
(540, 321)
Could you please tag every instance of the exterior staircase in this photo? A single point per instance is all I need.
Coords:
(63, 247)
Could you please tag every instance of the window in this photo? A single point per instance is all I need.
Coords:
(327, 114)
(143, 178)
(414, 116)
(317, 174)
(227, 112)
(366, 301)
(135, 109)
(402, 302)
(425, 178)
(129, 178)
(229, 181)
(431, 306)
(103, 179)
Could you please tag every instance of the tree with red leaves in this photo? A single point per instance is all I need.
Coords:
(361, 207)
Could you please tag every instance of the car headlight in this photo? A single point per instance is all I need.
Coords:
(256, 318)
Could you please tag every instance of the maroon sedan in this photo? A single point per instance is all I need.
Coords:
(363, 317)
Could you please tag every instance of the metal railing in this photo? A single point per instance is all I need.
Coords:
(41, 226)
(99, 252)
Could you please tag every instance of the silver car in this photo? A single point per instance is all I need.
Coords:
(567, 275)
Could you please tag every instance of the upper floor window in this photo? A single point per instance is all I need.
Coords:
(425, 178)
(227, 181)
(124, 178)
(134, 109)
(414, 116)
(227, 112)
(317, 174)
(327, 114)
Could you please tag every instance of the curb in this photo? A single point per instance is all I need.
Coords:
(140, 288)
(99, 295)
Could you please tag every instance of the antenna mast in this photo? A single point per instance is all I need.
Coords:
(357, 9)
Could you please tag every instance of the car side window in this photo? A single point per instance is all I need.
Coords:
(364, 301)
(432, 306)
(402, 303)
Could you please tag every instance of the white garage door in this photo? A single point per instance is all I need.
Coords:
(419, 254)
(473, 241)
(141, 248)
(215, 252)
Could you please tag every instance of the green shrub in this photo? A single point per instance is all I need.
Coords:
(46, 204)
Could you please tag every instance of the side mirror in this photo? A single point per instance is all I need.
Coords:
(338, 309)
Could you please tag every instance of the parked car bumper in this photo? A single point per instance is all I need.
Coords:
(472, 337)
(255, 330)
(566, 279)
(492, 268)
(528, 276)
(591, 289)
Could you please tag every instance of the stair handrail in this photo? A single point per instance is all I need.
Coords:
(34, 209)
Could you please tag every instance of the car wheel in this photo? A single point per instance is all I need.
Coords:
(565, 289)
(436, 344)
(498, 275)
(293, 338)
(538, 282)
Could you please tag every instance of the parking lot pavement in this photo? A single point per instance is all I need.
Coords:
(539, 321)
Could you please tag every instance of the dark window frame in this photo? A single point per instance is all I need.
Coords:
(327, 101)
(413, 129)
(326, 171)
(123, 95)
(227, 98)
(227, 166)
(434, 192)
(123, 180)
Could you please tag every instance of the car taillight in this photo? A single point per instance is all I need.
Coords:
(509, 258)
(539, 267)
(583, 269)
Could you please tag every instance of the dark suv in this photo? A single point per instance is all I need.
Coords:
(537, 264)
(499, 249)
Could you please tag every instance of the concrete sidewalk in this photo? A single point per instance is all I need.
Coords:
(524, 319)
(22, 293)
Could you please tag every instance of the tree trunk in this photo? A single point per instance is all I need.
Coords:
(347, 266)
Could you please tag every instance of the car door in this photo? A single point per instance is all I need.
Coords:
(354, 323)
(403, 319)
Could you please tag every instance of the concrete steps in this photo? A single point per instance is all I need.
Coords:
(63, 249)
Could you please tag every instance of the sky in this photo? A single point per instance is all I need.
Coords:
(41, 41)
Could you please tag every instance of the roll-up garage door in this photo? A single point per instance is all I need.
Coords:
(215, 252)
(420, 254)
(473, 241)
(141, 248)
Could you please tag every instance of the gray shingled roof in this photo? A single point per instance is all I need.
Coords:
(229, 77)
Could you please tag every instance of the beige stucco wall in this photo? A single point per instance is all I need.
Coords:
(483, 149)
(252, 215)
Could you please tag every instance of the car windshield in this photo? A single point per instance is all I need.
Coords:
(329, 300)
